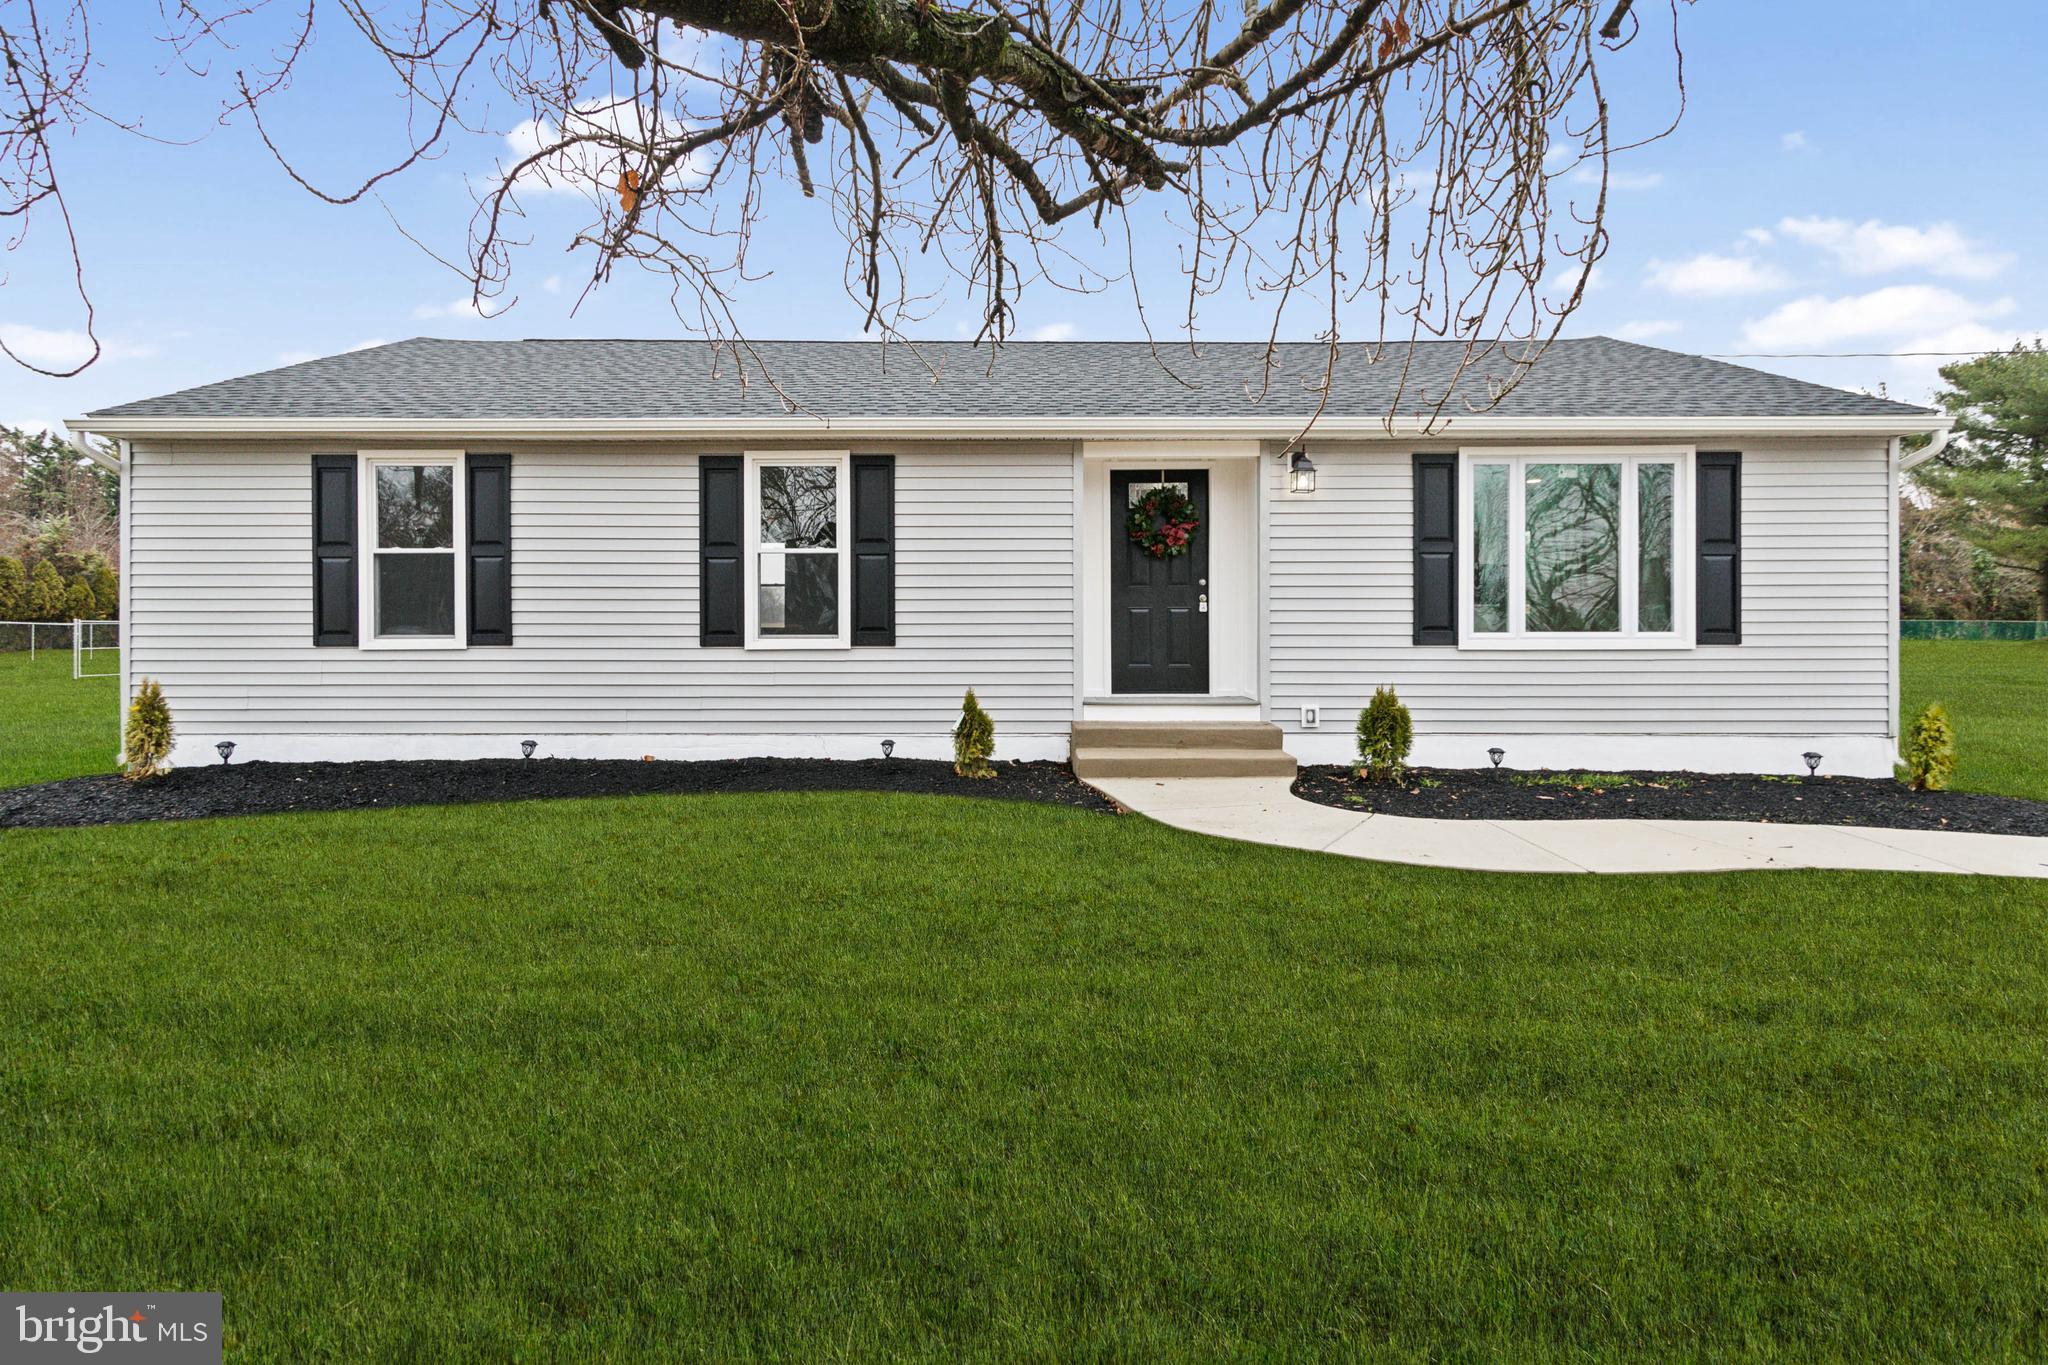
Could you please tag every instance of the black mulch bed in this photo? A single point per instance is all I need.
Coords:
(262, 788)
(1454, 793)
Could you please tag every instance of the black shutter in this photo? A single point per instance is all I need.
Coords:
(1719, 542)
(874, 549)
(490, 549)
(720, 582)
(1436, 549)
(334, 549)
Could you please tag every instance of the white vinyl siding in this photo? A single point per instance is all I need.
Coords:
(1816, 614)
(604, 601)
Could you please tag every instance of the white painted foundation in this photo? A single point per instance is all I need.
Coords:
(195, 750)
(1841, 755)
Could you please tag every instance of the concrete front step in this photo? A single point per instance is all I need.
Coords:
(1174, 734)
(1096, 762)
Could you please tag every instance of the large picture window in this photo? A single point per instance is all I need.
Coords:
(796, 563)
(412, 525)
(1574, 548)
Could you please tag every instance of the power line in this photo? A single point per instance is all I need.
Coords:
(1834, 355)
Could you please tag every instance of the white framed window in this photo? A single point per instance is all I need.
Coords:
(411, 538)
(1581, 548)
(799, 572)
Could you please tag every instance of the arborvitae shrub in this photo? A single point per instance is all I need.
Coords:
(974, 740)
(106, 588)
(45, 594)
(1931, 749)
(1386, 732)
(78, 603)
(147, 742)
(13, 589)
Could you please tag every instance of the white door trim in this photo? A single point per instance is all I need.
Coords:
(1234, 470)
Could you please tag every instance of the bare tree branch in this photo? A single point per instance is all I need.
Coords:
(1395, 159)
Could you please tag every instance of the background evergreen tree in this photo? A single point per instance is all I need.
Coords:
(1996, 467)
(13, 589)
(45, 594)
(78, 603)
(106, 587)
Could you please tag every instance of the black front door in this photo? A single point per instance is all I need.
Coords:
(1158, 605)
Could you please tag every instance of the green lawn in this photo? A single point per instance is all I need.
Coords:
(845, 1076)
(1997, 693)
(51, 725)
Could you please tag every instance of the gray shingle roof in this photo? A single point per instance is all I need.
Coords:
(430, 378)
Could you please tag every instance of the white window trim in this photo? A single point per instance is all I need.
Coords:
(1681, 635)
(366, 550)
(842, 461)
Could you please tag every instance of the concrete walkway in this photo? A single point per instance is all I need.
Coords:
(1263, 810)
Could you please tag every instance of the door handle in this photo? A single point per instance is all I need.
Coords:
(1202, 604)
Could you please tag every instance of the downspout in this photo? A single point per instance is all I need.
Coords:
(1928, 451)
(125, 528)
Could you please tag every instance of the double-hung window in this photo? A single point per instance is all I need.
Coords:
(1575, 548)
(412, 526)
(797, 566)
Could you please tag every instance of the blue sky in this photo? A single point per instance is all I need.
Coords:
(1847, 177)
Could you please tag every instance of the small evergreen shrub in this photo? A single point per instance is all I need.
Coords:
(106, 587)
(78, 603)
(13, 589)
(974, 740)
(146, 744)
(1931, 749)
(45, 594)
(1386, 733)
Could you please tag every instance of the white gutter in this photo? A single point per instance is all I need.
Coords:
(96, 454)
(989, 428)
(1928, 451)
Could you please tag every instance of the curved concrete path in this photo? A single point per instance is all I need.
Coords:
(1265, 810)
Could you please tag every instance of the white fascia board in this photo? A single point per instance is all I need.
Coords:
(465, 429)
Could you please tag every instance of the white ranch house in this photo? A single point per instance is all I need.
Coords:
(616, 548)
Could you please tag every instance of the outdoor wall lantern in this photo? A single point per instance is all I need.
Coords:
(1812, 762)
(224, 749)
(527, 746)
(1496, 755)
(1301, 473)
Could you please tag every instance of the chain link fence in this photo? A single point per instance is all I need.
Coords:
(92, 647)
(1973, 630)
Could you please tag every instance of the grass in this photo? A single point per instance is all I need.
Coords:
(52, 725)
(846, 1076)
(1581, 781)
(1997, 694)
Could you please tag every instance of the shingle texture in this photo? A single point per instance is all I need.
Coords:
(433, 378)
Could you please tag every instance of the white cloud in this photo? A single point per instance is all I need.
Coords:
(464, 308)
(552, 284)
(1794, 141)
(1052, 331)
(35, 424)
(369, 343)
(1757, 236)
(617, 129)
(1896, 311)
(54, 349)
(1619, 180)
(1643, 331)
(1873, 247)
(1709, 275)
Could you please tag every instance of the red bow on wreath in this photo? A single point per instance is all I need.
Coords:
(1163, 522)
